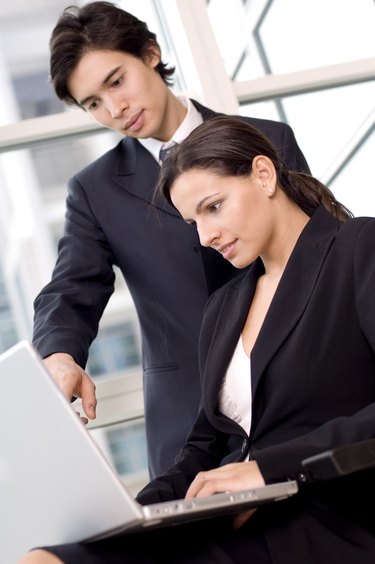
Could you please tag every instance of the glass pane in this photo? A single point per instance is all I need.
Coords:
(115, 349)
(56, 161)
(25, 29)
(34, 181)
(124, 446)
(353, 186)
(333, 128)
(326, 122)
(8, 332)
(259, 37)
(32, 209)
(298, 35)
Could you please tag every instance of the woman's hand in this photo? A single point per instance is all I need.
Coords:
(232, 477)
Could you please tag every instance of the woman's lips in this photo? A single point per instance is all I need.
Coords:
(227, 250)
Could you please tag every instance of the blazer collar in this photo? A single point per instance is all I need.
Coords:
(137, 172)
(289, 302)
(225, 327)
(295, 288)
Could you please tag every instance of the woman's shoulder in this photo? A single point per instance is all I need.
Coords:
(358, 225)
(356, 236)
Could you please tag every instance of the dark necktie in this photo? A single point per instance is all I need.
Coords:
(164, 153)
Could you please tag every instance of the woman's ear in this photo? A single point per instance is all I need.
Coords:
(264, 170)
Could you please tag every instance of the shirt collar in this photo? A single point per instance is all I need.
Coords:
(192, 119)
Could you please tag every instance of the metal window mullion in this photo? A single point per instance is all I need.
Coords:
(192, 33)
(272, 86)
(73, 123)
(23, 134)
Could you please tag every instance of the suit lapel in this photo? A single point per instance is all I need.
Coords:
(226, 327)
(294, 290)
(205, 112)
(137, 172)
(298, 282)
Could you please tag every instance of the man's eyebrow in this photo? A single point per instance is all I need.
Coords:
(107, 78)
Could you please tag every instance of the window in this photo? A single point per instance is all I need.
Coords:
(115, 350)
(8, 332)
(262, 58)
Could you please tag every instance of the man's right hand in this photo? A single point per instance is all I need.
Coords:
(72, 380)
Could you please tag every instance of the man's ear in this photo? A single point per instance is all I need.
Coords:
(153, 54)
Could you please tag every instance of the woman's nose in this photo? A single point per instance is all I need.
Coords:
(207, 235)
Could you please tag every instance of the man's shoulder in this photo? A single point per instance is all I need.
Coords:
(273, 129)
(267, 125)
(102, 163)
(121, 155)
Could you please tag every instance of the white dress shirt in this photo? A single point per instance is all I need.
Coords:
(192, 119)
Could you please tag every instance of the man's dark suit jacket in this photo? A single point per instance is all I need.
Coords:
(110, 221)
(313, 389)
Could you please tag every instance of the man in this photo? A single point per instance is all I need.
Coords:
(107, 62)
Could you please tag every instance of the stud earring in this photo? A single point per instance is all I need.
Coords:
(270, 190)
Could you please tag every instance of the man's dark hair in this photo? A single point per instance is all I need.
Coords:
(97, 26)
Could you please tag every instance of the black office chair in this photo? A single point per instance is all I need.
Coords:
(341, 461)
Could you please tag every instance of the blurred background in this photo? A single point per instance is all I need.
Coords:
(309, 63)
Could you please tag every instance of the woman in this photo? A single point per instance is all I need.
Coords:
(287, 357)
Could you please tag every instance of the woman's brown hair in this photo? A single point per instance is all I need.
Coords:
(227, 146)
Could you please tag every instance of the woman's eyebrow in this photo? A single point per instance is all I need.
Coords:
(200, 204)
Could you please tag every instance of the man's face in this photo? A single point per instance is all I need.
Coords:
(123, 92)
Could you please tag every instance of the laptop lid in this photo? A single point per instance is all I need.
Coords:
(56, 486)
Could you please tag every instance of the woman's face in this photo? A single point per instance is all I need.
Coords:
(232, 214)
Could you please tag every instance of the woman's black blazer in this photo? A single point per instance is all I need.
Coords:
(313, 388)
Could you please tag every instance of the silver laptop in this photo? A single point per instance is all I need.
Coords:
(56, 486)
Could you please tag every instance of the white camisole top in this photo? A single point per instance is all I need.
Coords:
(235, 393)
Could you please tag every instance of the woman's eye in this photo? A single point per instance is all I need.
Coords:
(212, 208)
(116, 82)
